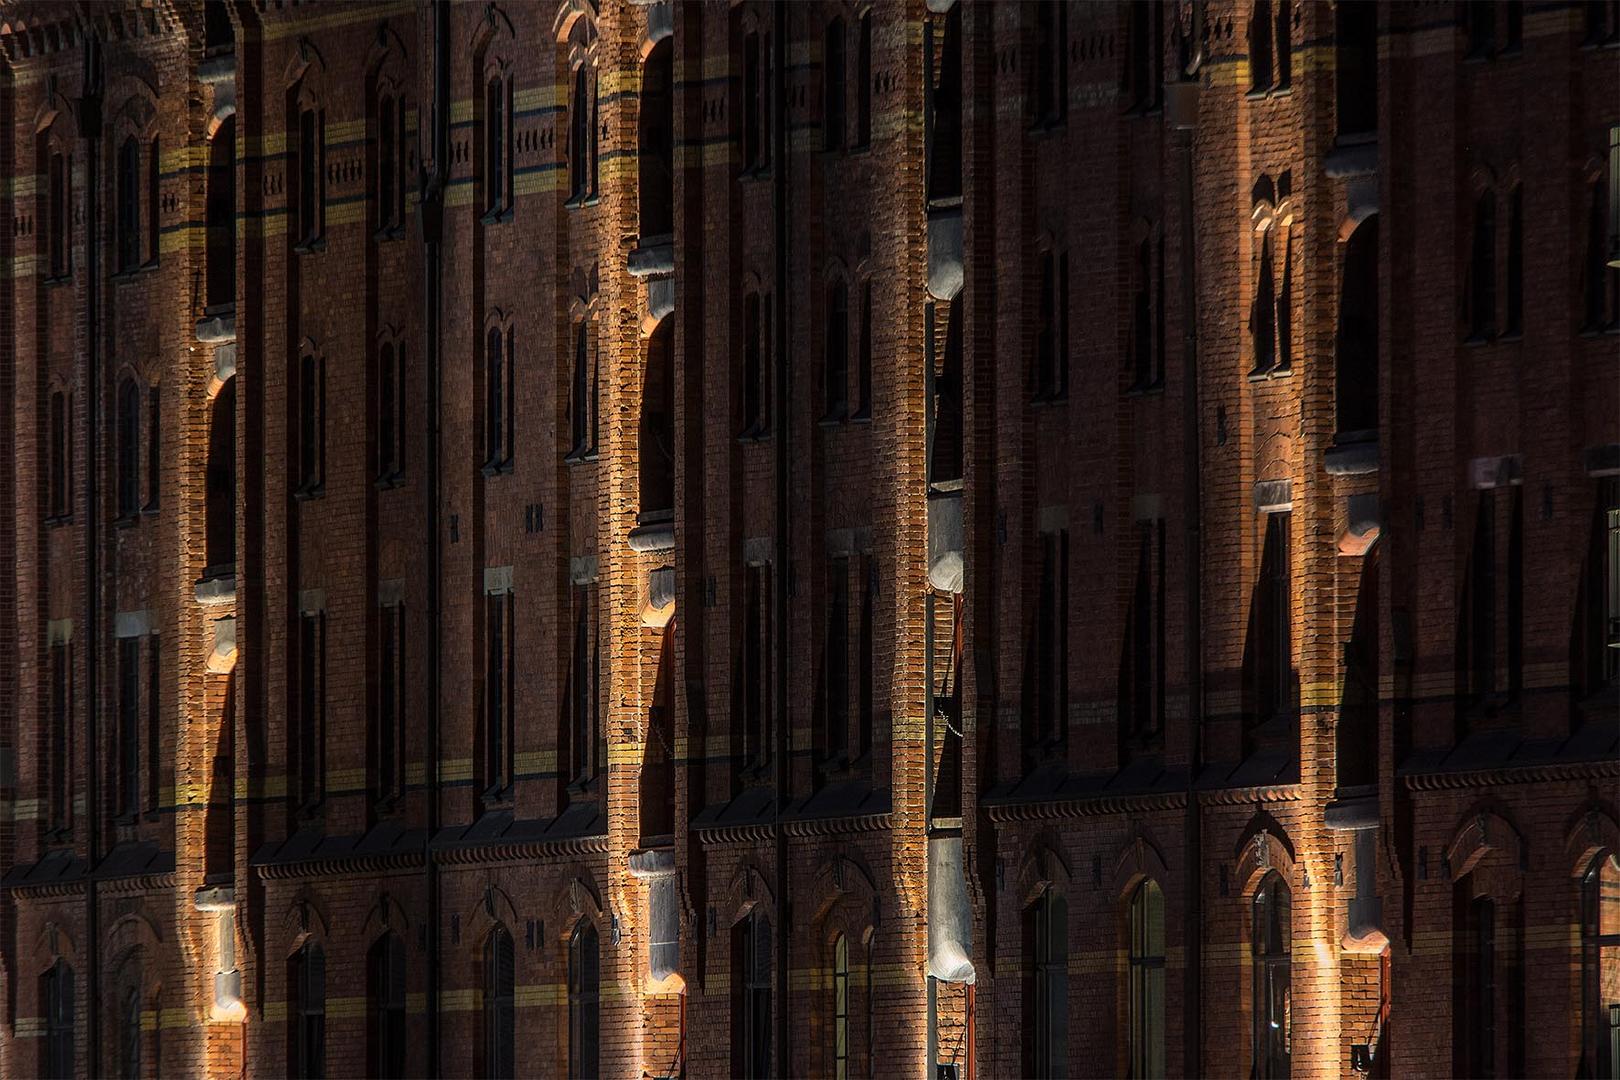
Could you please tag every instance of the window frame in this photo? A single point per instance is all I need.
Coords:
(584, 1001)
(127, 458)
(59, 1003)
(386, 1003)
(311, 235)
(1047, 936)
(1146, 985)
(127, 207)
(835, 352)
(311, 459)
(499, 1005)
(1271, 959)
(496, 174)
(307, 1012)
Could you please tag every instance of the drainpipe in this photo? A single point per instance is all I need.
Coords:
(784, 434)
(90, 128)
(430, 215)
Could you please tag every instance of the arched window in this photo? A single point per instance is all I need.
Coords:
(657, 431)
(130, 407)
(582, 404)
(311, 178)
(220, 486)
(498, 692)
(583, 127)
(1046, 986)
(60, 1007)
(127, 791)
(128, 205)
(1261, 28)
(221, 217)
(751, 949)
(1051, 63)
(386, 1006)
(154, 448)
(833, 88)
(1271, 319)
(656, 163)
(1147, 980)
(390, 414)
(306, 1014)
(1271, 945)
(840, 1048)
(500, 360)
(1355, 71)
(391, 164)
(1600, 967)
(1357, 347)
(59, 212)
(835, 356)
(584, 1003)
(1269, 659)
(128, 1019)
(756, 100)
(311, 424)
(497, 149)
(1482, 270)
(499, 1005)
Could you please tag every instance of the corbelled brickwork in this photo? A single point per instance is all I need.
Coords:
(666, 538)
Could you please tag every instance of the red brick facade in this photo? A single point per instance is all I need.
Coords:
(810, 539)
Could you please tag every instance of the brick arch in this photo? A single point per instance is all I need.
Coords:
(493, 908)
(749, 889)
(496, 24)
(304, 72)
(1138, 859)
(387, 52)
(137, 111)
(304, 919)
(385, 914)
(1274, 456)
(53, 108)
(1262, 847)
(1484, 832)
(1482, 178)
(1589, 832)
(569, 13)
(133, 930)
(841, 879)
(1043, 867)
(576, 895)
(55, 942)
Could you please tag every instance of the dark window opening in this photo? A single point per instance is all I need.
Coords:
(1050, 708)
(392, 696)
(219, 36)
(61, 1018)
(311, 747)
(586, 735)
(1600, 281)
(756, 104)
(751, 947)
(1142, 674)
(386, 1005)
(1597, 646)
(129, 1030)
(1144, 59)
(1513, 15)
(1052, 329)
(221, 218)
(311, 425)
(127, 793)
(498, 150)
(154, 448)
(835, 663)
(866, 649)
(500, 362)
(840, 1008)
(391, 165)
(130, 407)
(584, 1003)
(59, 215)
(498, 690)
(153, 184)
(1356, 737)
(1273, 688)
(863, 356)
(583, 413)
(754, 689)
(1262, 27)
(583, 143)
(835, 354)
(1147, 980)
(863, 82)
(945, 397)
(311, 178)
(1482, 270)
(1355, 55)
(220, 484)
(61, 743)
(1046, 986)
(128, 205)
(1475, 992)
(656, 459)
(1479, 24)
(390, 414)
(1271, 319)
(307, 1013)
(1356, 376)
(154, 730)
(833, 87)
(655, 163)
(1602, 22)
(1051, 96)
(656, 786)
(1147, 317)
(499, 1007)
(1272, 945)
(1513, 325)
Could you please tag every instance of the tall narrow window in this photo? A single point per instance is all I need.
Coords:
(1283, 58)
(129, 1031)
(584, 1003)
(1271, 945)
(655, 165)
(656, 436)
(392, 695)
(499, 1007)
(311, 177)
(385, 1004)
(311, 424)
(1600, 968)
(1046, 986)
(833, 87)
(1147, 980)
(61, 497)
(863, 410)
(311, 706)
(1263, 317)
(1284, 320)
(60, 215)
(1474, 1026)
(498, 149)
(61, 751)
(582, 399)
(130, 407)
(1144, 352)
(221, 221)
(756, 652)
(390, 414)
(220, 484)
(835, 365)
(582, 139)
(840, 1048)
(1052, 643)
(1356, 349)
(1513, 13)
(1052, 328)
(1482, 270)
(751, 947)
(1051, 63)
(1600, 281)
(154, 449)
(500, 361)
(863, 81)
(128, 199)
(154, 727)
(1272, 628)
(391, 165)
(1355, 69)
(585, 683)
(1143, 697)
(1261, 28)
(153, 185)
(1479, 23)
(836, 661)
(127, 793)
(755, 356)
(866, 648)
(307, 1013)
(498, 687)
(61, 1004)
(756, 104)
(1144, 60)
(1513, 326)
